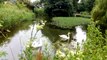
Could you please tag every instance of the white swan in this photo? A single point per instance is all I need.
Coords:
(65, 37)
(32, 1)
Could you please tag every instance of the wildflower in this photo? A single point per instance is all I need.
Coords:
(1, 25)
(60, 54)
(39, 27)
(27, 45)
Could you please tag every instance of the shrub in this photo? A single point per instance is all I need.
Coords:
(11, 15)
(99, 14)
(39, 12)
(95, 47)
(2, 1)
(85, 14)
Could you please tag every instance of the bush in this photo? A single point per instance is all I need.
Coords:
(11, 15)
(39, 12)
(86, 14)
(2, 1)
(95, 47)
(99, 14)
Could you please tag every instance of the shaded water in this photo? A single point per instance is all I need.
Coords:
(49, 36)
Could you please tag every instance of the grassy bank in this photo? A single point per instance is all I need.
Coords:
(69, 22)
(12, 15)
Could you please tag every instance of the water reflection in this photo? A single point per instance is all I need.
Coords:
(16, 43)
(77, 36)
(53, 34)
(20, 38)
(9, 35)
(80, 35)
(48, 36)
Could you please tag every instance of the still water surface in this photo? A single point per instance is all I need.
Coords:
(17, 42)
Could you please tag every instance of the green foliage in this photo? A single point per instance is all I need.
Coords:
(85, 14)
(95, 47)
(69, 22)
(11, 15)
(21, 5)
(59, 7)
(23, 1)
(86, 5)
(99, 13)
(27, 54)
(39, 12)
(89, 5)
(2, 53)
(81, 7)
(2, 1)
(75, 4)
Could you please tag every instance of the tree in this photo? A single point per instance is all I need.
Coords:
(81, 7)
(26, 3)
(99, 13)
(59, 7)
(89, 5)
(75, 4)
(2, 1)
(85, 5)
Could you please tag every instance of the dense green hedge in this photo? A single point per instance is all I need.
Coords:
(69, 22)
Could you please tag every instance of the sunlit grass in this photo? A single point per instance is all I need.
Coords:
(69, 22)
(12, 15)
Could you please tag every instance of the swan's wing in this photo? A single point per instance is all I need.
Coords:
(63, 36)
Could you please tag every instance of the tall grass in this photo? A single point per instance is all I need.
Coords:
(69, 22)
(11, 15)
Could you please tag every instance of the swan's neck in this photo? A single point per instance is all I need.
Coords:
(69, 35)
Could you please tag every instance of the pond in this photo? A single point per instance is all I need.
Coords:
(49, 36)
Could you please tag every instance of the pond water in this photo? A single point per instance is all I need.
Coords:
(17, 40)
